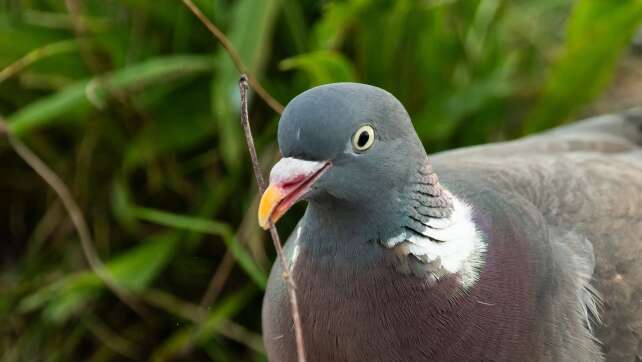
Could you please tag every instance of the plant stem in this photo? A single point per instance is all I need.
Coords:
(289, 281)
(77, 219)
(234, 55)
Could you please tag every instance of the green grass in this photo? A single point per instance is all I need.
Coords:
(140, 118)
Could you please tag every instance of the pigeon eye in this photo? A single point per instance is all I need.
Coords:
(363, 138)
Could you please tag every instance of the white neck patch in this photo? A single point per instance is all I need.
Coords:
(461, 245)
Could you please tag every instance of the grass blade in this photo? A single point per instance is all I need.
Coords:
(47, 111)
(598, 31)
(221, 230)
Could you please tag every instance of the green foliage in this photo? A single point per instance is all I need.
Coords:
(252, 43)
(321, 67)
(133, 270)
(79, 96)
(596, 34)
(140, 107)
(210, 227)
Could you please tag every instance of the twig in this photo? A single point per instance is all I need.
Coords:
(278, 108)
(234, 55)
(77, 218)
(289, 281)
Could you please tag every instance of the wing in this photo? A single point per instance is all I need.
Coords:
(618, 133)
(586, 181)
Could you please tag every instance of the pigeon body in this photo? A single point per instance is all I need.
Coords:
(526, 250)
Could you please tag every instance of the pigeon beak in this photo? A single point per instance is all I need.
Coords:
(290, 179)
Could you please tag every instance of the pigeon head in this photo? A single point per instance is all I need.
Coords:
(344, 142)
(351, 151)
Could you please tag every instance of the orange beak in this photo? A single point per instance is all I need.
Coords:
(290, 179)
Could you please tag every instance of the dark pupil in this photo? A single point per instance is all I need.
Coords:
(363, 139)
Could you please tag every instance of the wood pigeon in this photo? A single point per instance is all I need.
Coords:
(529, 250)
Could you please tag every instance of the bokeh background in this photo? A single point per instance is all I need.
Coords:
(135, 106)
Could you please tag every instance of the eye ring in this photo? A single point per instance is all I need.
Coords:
(363, 138)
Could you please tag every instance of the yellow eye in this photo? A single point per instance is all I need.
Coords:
(363, 138)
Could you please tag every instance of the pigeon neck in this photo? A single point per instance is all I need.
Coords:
(426, 196)
(411, 203)
(436, 236)
(428, 227)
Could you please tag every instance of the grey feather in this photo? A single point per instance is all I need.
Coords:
(586, 179)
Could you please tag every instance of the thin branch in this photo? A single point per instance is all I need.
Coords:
(234, 55)
(289, 281)
(77, 218)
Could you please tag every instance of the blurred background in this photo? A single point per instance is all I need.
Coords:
(135, 106)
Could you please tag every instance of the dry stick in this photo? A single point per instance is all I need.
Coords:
(220, 37)
(289, 281)
(277, 107)
(234, 55)
(77, 218)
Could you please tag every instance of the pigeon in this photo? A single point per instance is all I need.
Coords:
(526, 250)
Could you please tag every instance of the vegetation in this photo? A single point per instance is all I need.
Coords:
(134, 105)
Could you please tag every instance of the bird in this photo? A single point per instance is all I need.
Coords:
(523, 250)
